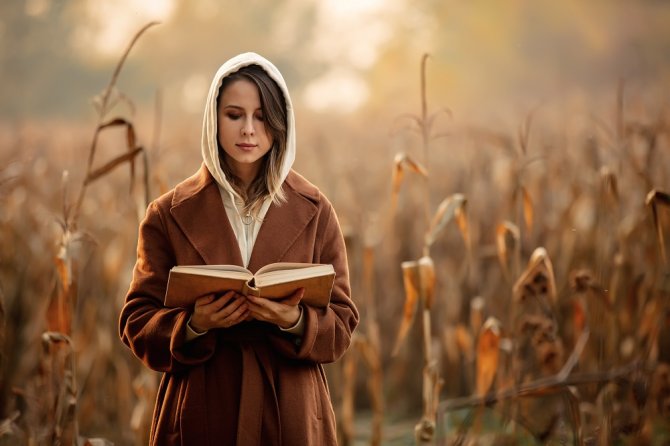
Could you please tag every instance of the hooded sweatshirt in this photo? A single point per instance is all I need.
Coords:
(245, 233)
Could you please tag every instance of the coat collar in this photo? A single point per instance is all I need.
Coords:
(198, 211)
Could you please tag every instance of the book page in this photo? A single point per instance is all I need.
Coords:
(292, 273)
(283, 266)
(232, 271)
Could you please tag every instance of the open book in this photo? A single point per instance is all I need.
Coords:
(275, 281)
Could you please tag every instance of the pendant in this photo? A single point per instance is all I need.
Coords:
(247, 219)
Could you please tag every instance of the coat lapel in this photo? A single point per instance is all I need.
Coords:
(198, 211)
(282, 226)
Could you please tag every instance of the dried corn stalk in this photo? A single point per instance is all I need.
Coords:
(476, 313)
(349, 367)
(371, 348)
(59, 356)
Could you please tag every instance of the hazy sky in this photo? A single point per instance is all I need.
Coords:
(338, 55)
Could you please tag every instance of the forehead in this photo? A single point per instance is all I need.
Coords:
(240, 92)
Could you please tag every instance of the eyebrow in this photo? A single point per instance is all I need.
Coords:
(237, 107)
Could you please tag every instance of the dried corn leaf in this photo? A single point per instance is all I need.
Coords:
(649, 323)
(410, 275)
(415, 166)
(402, 162)
(653, 200)
(398, 174)
(609, 183)
(537, 280)
(578, 317)
(528, 215)
(450, 208)
(62, 301)
(572, 401)
(476, 313)
(503, 230)
(10, 432)
(464, 341)
(427, 281)
(463, 226)
(349, 367)
(131, 145)
(451, 347)
(487, 355)
(524, 132)
(116, 122)
(130, 156)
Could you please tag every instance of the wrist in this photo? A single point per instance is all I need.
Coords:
(294, 318)
(195, 327)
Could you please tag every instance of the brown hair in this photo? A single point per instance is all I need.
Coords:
(273, 104)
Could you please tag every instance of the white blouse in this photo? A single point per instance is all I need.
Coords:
(246, 234)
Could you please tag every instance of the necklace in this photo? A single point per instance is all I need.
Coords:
(247, 219)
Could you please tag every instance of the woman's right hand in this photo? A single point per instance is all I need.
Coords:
(219, 311)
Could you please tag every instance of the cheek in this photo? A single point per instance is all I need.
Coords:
(223, 130)
(267, 137)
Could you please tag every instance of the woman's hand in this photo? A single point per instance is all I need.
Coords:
(284, 313)
(219, 312)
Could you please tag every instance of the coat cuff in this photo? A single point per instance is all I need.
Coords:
(194, 351)
(300, 347)
(192, 333)
(299, 327)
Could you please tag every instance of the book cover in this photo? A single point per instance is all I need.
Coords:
(187, 283)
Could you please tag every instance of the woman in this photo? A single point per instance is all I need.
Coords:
(241, 370)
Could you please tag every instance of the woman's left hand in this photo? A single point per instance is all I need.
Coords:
(284, 313)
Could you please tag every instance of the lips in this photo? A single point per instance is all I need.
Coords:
(246, 146)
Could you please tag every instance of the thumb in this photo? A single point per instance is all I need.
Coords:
(296, 297)
(204, 300)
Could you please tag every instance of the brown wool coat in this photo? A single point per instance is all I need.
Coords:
(251, 384)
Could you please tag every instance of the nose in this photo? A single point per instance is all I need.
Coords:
(248, 127)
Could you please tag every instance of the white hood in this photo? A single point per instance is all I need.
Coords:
(209, 144)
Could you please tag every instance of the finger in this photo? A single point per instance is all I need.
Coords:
(238, 315)
(204, 300)
(220, 302)
(259, 311)
(229, 309)
(260, 305)
(295, 298)
(264, 302)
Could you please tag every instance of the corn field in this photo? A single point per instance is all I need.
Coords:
(514, 283)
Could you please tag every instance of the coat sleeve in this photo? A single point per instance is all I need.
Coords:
(328, 330)
(154, 333)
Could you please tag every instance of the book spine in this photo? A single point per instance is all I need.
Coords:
(249, 289)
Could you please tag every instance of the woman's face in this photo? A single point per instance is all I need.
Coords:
(242, 132)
